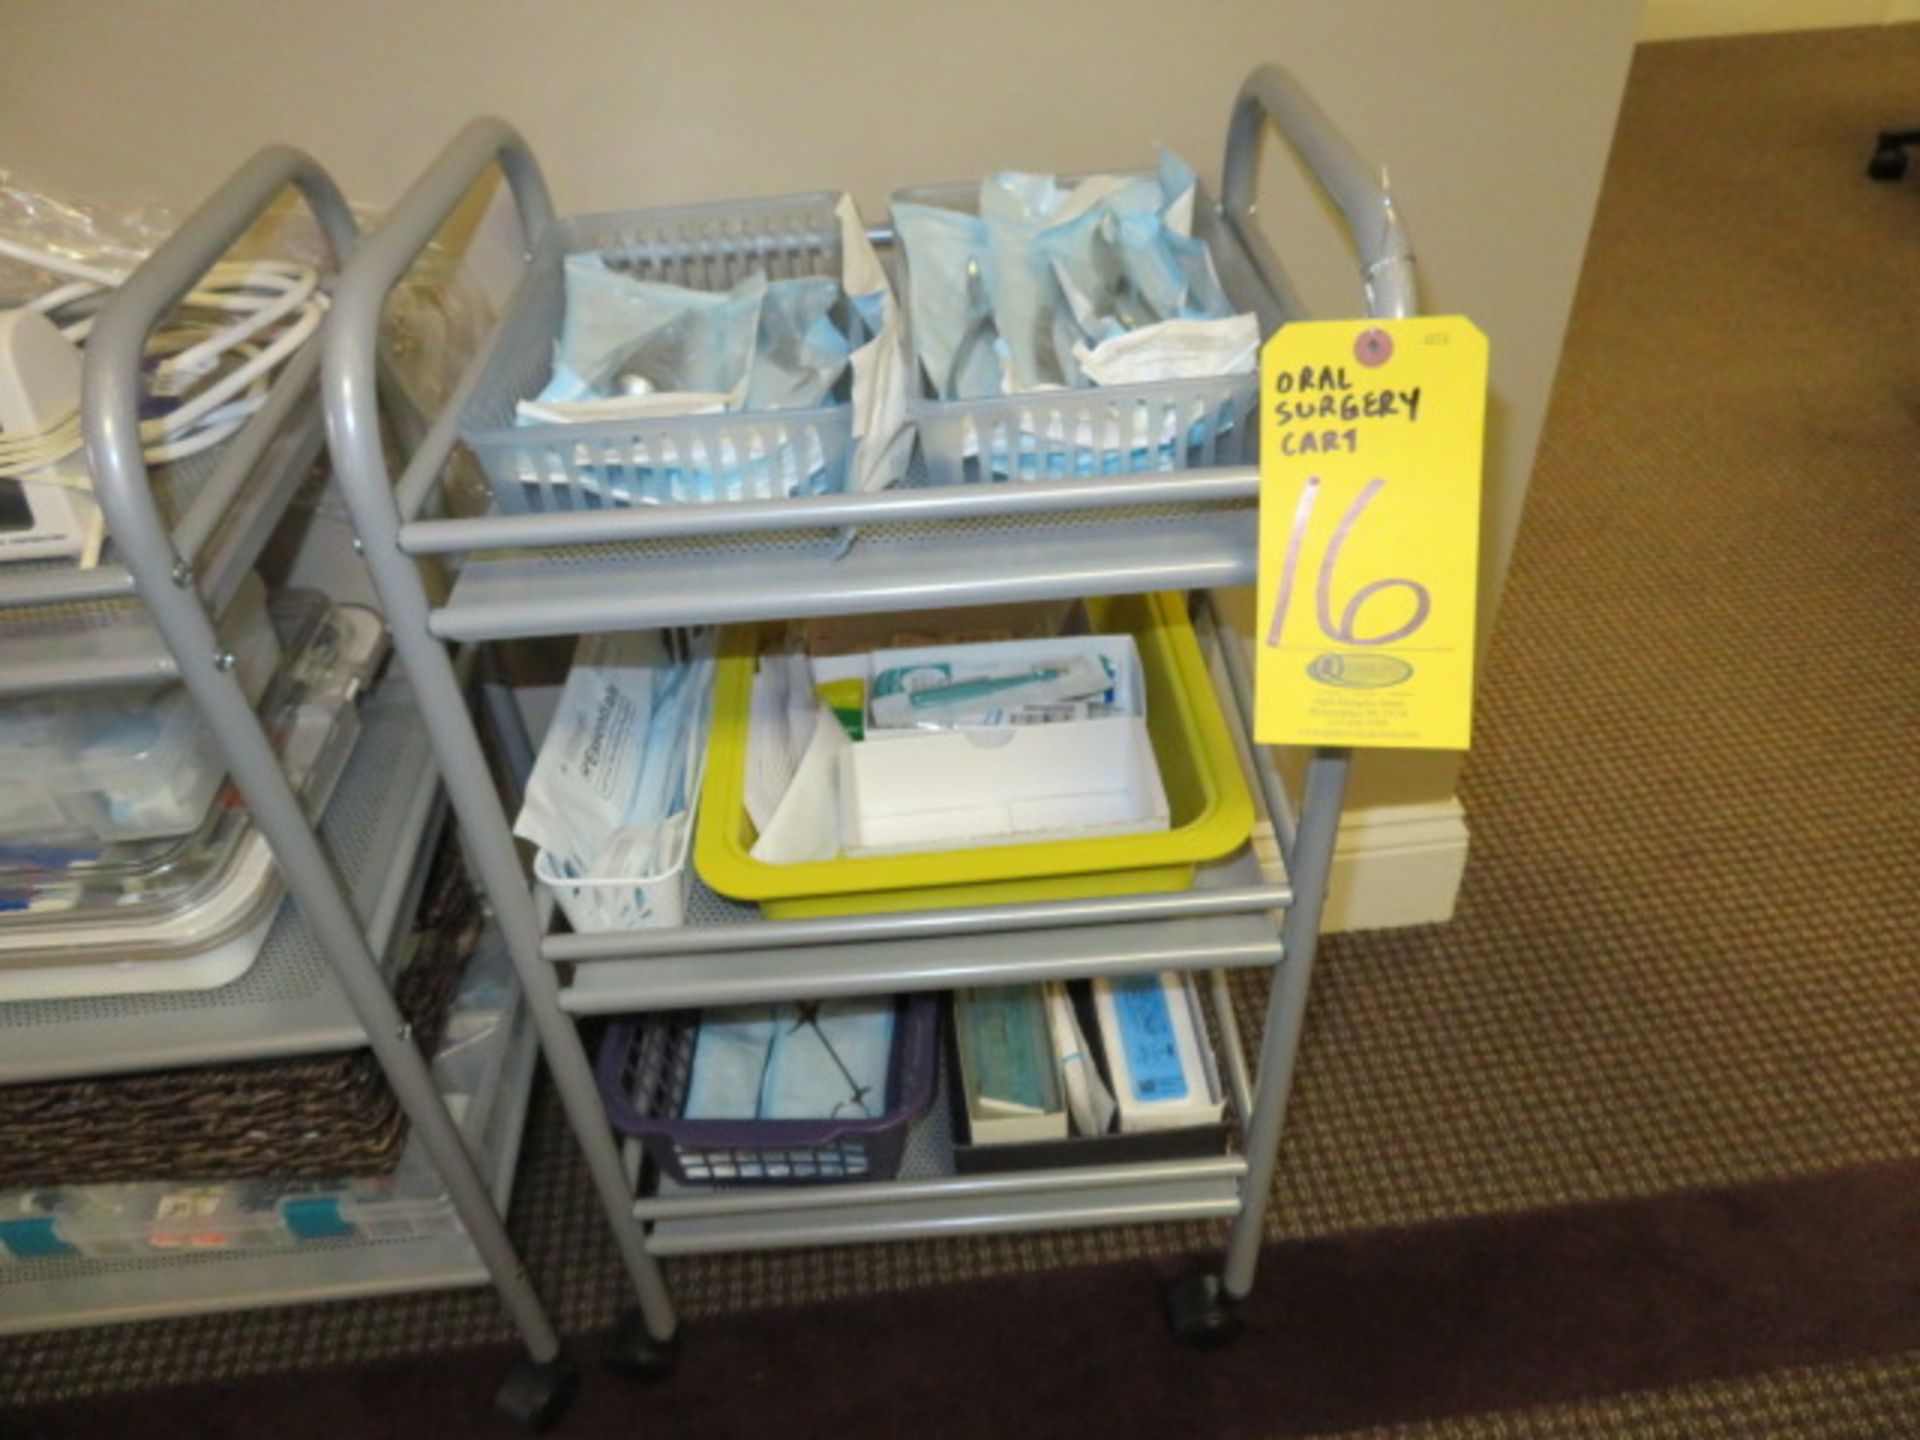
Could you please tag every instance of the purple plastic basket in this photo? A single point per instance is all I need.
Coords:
(646, 1063)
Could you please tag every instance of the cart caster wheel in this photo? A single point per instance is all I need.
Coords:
(1201, 1313)
(634, 1352)
(1889, 162)
(537, 1393)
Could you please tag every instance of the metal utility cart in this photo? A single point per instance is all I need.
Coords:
(570, 572)
(318, 986)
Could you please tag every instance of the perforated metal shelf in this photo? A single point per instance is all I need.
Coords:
(288, 1003)
(741, 974)
(62, 629)
(1145, 1202)
(63, 1293)
(568, 590)
(930, 1199)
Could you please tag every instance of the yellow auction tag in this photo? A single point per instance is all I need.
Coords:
(1370, 452)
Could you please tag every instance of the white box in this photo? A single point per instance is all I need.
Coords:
(954, 789)
(1149, 1047)
(1119, 653)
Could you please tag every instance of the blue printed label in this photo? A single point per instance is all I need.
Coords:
(33, 1239)
(316, 1217)
(1146, 1033)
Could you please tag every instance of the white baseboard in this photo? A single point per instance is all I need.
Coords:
(1683, 19)
(1393, 865)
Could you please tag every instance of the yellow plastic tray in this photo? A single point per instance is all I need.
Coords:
(1211, 811)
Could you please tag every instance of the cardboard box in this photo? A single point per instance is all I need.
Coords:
(1157, 1053)
(974, 1153)
(947, 790)
(1021, 1021)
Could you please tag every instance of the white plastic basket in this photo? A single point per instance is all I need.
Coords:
(596, 904)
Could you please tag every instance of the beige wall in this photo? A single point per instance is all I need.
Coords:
(1494, 114)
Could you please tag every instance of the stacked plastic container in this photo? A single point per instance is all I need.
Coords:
(88, 769)
(123, 869)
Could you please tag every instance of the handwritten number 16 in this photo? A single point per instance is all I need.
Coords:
(1342, 630)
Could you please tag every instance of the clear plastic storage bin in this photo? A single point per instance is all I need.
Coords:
(81, 769)
(768, 455)
(1103, 430)
(189, 912)
(115, 1221)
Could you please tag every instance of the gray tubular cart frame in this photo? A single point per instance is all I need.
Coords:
(926, 547)
(160, 564)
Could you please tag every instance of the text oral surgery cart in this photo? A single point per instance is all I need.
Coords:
(148, 614)
(568, 572)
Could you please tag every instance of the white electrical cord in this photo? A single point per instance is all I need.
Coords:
(21, 455)
(215, 397)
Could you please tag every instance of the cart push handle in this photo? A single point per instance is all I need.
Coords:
(351, 341)
(111, 383)
(1386, 257)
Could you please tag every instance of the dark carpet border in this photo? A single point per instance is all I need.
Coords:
(1469, 1316)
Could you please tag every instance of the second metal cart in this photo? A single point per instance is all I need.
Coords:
(149, 615)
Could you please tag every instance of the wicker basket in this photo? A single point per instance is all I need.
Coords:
(310, 1118)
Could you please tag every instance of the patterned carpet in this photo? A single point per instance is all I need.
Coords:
(1688, 946)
